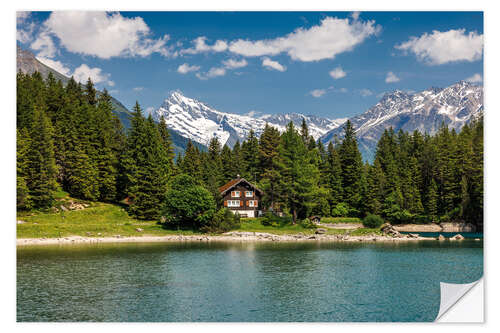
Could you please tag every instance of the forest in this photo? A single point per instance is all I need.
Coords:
(68, 139)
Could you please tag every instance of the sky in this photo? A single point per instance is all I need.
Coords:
(328, 64)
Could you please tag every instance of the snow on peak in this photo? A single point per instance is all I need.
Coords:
(199, 122)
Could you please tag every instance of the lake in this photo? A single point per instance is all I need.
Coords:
(256, 282)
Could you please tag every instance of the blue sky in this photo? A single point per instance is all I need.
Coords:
(330, 64)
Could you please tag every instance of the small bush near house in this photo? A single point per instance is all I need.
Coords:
(269, 219)
(372, 221)
(307, 224)
(224, 220)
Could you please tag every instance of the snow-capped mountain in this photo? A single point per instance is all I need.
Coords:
(199, 122)
(423, 111)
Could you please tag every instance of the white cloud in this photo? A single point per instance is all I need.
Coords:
(324, 41)
(44, 45)
(476, 78)
(200, 45)
(232, 64)
(137, 89)
(365, 92)
(443, 47)
(355, 15)
(317, 92)
(391, 78)
(102, 34)
(185, 68)
(55, 64)
(24, 31)
(82, 73)
(271, 64)
(213, 72)
(337, 73)
(148, 110)
(343, 90)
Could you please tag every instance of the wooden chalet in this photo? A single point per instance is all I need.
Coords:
(242, 197)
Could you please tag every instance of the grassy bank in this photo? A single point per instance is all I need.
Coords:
(107, 220)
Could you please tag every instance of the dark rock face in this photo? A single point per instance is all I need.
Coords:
(424, 111)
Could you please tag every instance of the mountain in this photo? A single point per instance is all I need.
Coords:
(424, 111)
(28, 64)
(200, 122)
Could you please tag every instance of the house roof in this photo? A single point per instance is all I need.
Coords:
(232, 183)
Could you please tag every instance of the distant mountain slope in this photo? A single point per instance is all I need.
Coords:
(28, 63)
(424, 111)
(200, 122)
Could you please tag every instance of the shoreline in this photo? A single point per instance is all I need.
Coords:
(227, 237)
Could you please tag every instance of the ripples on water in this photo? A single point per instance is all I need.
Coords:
(241, 281)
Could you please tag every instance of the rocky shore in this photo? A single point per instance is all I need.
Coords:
(234, 236)
(435, 227)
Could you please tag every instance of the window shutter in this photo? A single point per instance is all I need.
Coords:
(248, 203)
(256, 203)
(225, 203)
(241, 203)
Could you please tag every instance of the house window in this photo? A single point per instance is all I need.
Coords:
(233, 203)
(248, 194)
(235, 194)
(253, 203)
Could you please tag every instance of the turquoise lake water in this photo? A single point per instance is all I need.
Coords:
(320, 282)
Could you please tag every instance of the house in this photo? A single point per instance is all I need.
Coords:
(242, 197)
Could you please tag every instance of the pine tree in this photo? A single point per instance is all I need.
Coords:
(41, 180)
(167, 140)
(107, 157)
(300, 176)
(334, 176)
(191, 163)
(152, 174)
(270, 166)
(351, 164)
(22, 166)
(250, 157)
(227, 164)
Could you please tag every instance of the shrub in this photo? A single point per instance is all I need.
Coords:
(341, 209)
(224, 220)
(307, 224)
(187, 204)
(270, 219)
(372, 221)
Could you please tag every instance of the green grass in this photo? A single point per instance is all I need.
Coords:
(107, 220)
(333, 220)
(255, 225)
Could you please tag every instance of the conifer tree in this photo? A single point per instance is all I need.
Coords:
(227, 164)
(300, 176)
(22, 169)
(191, 163)
(250, 157)
(270, 166)
(334, 176)
(41, 180)
(351, 164)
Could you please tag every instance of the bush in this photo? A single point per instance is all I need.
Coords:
(307, 224)
(372, 221)
(187, 204)
(224, 220)
(341, 209)
(270, 219)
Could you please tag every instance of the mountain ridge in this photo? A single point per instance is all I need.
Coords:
(424, 111)
(200, 122)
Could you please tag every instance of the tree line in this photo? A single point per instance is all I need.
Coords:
(69, 139)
